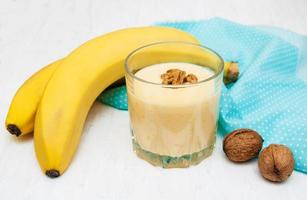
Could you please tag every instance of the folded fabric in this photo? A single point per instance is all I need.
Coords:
(270, 95)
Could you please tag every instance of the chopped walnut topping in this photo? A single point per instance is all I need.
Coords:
(191, 78)
(173, 77)
(177, 77)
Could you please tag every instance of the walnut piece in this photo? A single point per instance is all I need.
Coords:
(177, 77)
(242, 145)
(190, 78)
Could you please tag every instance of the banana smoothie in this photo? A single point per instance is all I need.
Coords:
(173, 125)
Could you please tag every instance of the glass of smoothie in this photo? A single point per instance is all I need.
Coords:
(173, 101)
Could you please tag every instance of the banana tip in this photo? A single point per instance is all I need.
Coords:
(52, 173)
(13, 129)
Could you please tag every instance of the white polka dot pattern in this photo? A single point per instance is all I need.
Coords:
(116, 97)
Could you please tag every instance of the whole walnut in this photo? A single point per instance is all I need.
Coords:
(242, 145)
(276, 162)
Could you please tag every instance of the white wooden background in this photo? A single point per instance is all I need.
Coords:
(34, 33)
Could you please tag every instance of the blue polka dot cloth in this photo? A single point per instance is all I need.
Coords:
(115, 97)
(270, 95)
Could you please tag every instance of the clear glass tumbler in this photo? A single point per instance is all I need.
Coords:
(173, 126)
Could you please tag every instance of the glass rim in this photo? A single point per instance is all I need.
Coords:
(216, 74)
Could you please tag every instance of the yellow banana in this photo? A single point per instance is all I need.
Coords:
(21, 114)
(75, 85)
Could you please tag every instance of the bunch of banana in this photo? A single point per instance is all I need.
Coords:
(55, 101)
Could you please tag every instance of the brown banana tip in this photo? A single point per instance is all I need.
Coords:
(13, 129)
(52, 173)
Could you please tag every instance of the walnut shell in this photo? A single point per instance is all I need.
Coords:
(242, 145)
(276, 162)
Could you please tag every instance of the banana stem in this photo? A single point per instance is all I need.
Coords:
(231, 72)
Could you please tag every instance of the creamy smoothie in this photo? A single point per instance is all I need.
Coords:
(173, 126)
